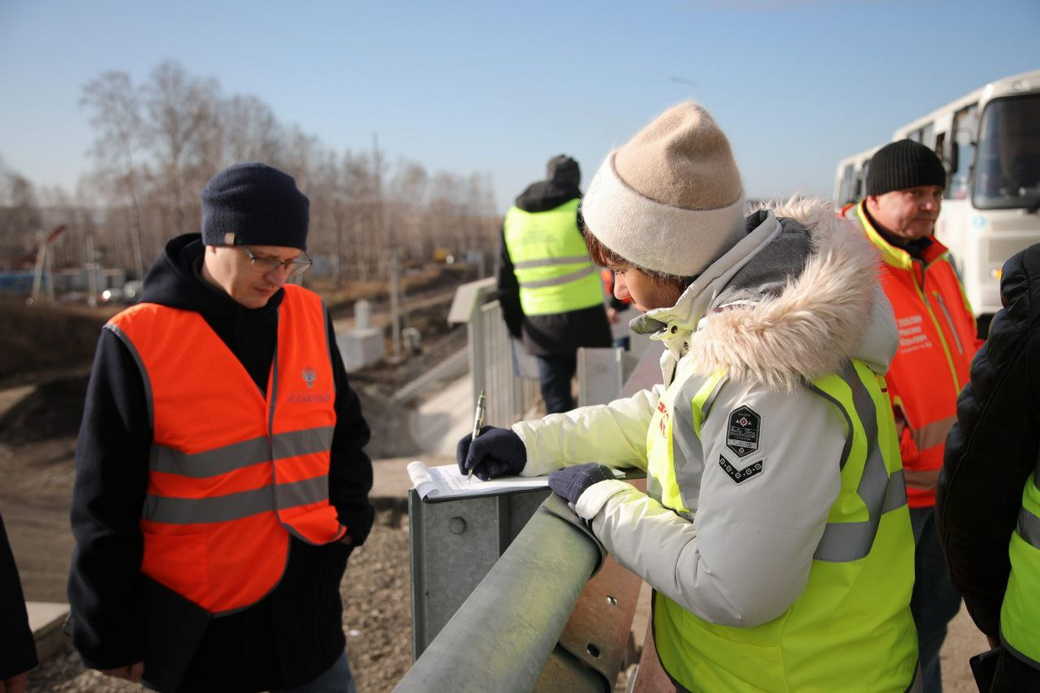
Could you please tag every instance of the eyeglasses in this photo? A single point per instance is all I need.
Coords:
(265, 263)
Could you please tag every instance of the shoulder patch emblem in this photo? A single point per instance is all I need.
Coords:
(743, 431)
(739, 475)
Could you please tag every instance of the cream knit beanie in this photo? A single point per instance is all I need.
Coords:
(670, 199)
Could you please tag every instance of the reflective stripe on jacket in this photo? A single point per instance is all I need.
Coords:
(1020, 612)
(551, 263)
(850, 628)
(232, 471)
(937, 341)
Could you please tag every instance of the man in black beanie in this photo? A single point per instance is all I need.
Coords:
(221, 481)
(549, 288)
(937, 340)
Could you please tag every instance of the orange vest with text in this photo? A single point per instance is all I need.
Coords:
(937, 341)
(232, 472)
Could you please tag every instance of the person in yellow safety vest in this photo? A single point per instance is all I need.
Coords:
(774, 530)
(937, 340)
(988, 504)
(548, 287)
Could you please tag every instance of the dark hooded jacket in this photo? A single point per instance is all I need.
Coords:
(119, 615)
(556, 333)
(993, 447)
(18, 653)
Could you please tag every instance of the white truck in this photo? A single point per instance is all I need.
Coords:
(989, 141)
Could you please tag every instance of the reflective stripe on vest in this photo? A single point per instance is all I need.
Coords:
(851, 627)
(232, 472)
(550, 261)
(879, 489)
(1020, 612)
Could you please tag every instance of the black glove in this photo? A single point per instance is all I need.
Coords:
(571, 482)
(496, 452)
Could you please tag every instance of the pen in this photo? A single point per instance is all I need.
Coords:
(478, 423)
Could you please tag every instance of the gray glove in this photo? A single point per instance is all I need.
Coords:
(496, 452)
(571, 482)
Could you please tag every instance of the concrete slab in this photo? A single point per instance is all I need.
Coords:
(439, 422)
(360, 347)
(47, 619)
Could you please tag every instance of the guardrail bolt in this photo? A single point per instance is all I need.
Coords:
(457, 525)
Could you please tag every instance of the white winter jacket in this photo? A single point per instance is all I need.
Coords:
(792, 301)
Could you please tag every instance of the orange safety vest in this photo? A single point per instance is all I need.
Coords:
(231, 472)
(937, 341)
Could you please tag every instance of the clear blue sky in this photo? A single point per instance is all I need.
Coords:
(477, 86)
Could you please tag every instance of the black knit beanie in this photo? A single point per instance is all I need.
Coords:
(904, 164)
(254, 204)
(563, 170)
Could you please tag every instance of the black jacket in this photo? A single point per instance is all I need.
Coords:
(18, 652)
(119, 615)
(993, 447)
(556, 333)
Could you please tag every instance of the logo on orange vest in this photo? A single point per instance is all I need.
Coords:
(743, 431)
(740, 475)
(309, 377)
(307, 397)
(912, 336)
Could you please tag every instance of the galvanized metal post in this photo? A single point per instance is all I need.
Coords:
(453, 546)
(505, 631)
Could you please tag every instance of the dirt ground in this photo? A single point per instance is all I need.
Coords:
(376, 619)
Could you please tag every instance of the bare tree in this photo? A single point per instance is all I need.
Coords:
(180, 108)
(116, 117)
(251, 131)
(156, 146)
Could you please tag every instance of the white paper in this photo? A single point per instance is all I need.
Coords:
(446, 481)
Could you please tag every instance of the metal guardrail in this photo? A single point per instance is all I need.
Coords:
(453, 546)
(524, 628)
(496, 365)
(501, 595)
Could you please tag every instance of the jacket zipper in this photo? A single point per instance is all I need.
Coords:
(949, 321)
(935, 323)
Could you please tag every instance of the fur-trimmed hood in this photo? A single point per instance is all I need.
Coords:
(791, 301)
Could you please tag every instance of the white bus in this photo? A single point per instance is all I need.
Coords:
(989, 141)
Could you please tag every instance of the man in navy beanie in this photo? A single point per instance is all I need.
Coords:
(221, 481)
(937, 340)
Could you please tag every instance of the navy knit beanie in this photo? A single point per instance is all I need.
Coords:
(904, 164)
(254, 204)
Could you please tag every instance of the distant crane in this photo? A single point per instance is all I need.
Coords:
(43, 263)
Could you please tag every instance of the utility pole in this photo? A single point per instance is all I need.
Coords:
(395, 300)
(91, 266)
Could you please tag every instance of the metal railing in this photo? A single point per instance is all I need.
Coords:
(536, 621)
(496, 364)
(501, 595)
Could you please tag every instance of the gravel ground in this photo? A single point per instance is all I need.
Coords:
(376, 619)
